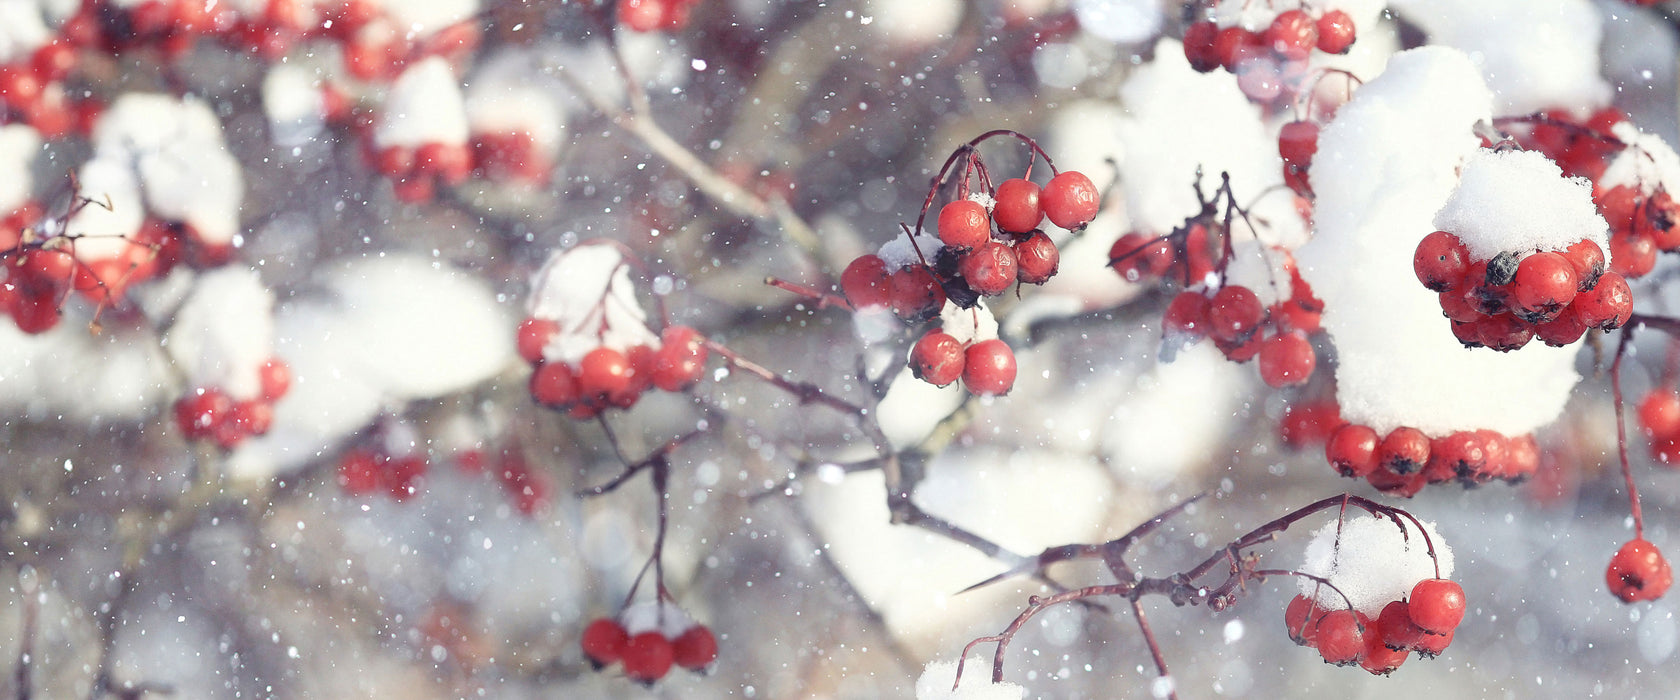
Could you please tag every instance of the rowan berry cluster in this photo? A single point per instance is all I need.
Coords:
(588, 341)
(989, 240)
(366, 470)
(1503, 303)
(1577, 145)
(648, 639)
(1406, 459)
(1268, 62)
(655, 15)
(1424, 622)
(210, 413)
(32, 91)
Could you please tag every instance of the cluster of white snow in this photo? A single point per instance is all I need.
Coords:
(937, 680)
(182, 165)
(1648, 163)
(1385, 165)
(19, 144)
(424, 106)
(1534, 55)
(224, 332)
(1371, 561)
(1519, 201)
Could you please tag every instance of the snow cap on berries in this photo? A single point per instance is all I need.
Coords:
(22, 30)
(937, 679)
(1386, 164)
(1262, 269)
(116, 214)
(505, 104)
(1647, 163)
(663, 617)
(184, 166)
(224, 332)
(1371, 561)
(1519, 201)
(1533, 55)
(968, 325)
(424, 106)
(587, 290)
(899, 254)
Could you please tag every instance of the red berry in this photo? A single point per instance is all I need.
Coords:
(1297, 143)
(1458, 454)
(1588, 260)
(1352, 450)
(1017, 209)
(1235, 46)
(1618, 205)
(604, 641)
(1504, 332)
(989, 269)
(641, 359)
(1379, 659)
(1632, 255)
(1292, 35)
(681, 360)
(200, 414)
(695, 649)
(1522, 456)
(1638, 572)
(1233, 314)
(252, 417)
(1496, 447)
(554, 385)
(865, 282)
(647, 657)
(1403, 451)
(1436, 605)
(1286, 359)
(641, 16)
(937, 358)
(1545, 283)
(1139, 257)
(1440, 261)
(1431, 645)
(275, 378)
(1395, 627)
(989, 368)
(1070, 199)
(1607, 305)
(1186, 317)
(1460, 305)
(1335, 32)
(1199, 47)
(1309, 423)
(1655, 220)
(916, 293)
(1659, 413)
(534, 334)
(603, 372)
(1563, 330)
(964, 224)
(1340, 640)
(358, 472)
(1301, 620)
(1036, 259)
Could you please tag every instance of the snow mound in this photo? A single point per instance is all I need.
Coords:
(424, 106)
(968, 325)
(1371, 561)
(22, 30)
(1519, 201)
(224, 332)
(663, 616)
(19, 144)
(115, 213)
(1181, 122)
(184, 167)
(588, 291)
(1534, 55)
(1648, 162)
(937, 679)
(1385, 166)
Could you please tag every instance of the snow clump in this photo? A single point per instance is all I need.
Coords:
(1371, 561)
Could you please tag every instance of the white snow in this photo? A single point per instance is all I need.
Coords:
(1120, 21)
(939, 676)
(912, 408)
(423, 106)
(117, 210)
(422, 18)
(224, 332)
(912, 24)
(898, 253)
(294, 103)
(1534, 55)
(19, 144)
(1262, 270)
(1648, 162)
(1371, 562)
(968, 325)
(1180, 121)
(22, 30)
(184, 166)
(69, 372)
(506, 107)
(663, 616)
(1385, 165)
(588, 291)
(1519, 201)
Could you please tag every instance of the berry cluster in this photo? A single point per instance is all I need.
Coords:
(1638, 571)
(608, 377)
(363, 470)
(1264, 61)
(1403, 461)
(989, 241)
(1143, 258)
(525, 487)
(1577, 145)
(415, 173)
(1659, 419)
(1424, 622)
(655, 15)
(1243, 327)
(209, 413)
(1642, 219)
(1504, 302)
(32, 91)
(649, 647)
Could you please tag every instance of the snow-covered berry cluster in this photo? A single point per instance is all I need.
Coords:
(222, 340)
(1634, 195)
(965, 347)
(1406, 459)
(1266, 45)
(586, 336)
(648, 639)
(1502, 284)
(1374, 592)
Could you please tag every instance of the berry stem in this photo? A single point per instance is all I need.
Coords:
(1621, 430)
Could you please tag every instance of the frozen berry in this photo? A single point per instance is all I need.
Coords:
(647, 657)
(681, 359)
(1436, 605)
(534, 334)
(1070, 199)
(554, 385)
(1286, 359)
(1588, 260)
(1340, 640)
(964, 224)
(916, 293)
(1638, 572)
(990, 268)
(275, 378)
(1659, 413)
(1301, 620)
(1234, 313)
(695, 649)
(604, 641)
(1017, 209)
(989, 368)
(1199, 48)
(1140, 257)
(1352, 450)
(1335, 32)
(1545, 283)
(937, 358)
(1036, 259)
(602, 372)
(1292, 35)
(1440, 261)
(865, 282)
(1607, 305)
